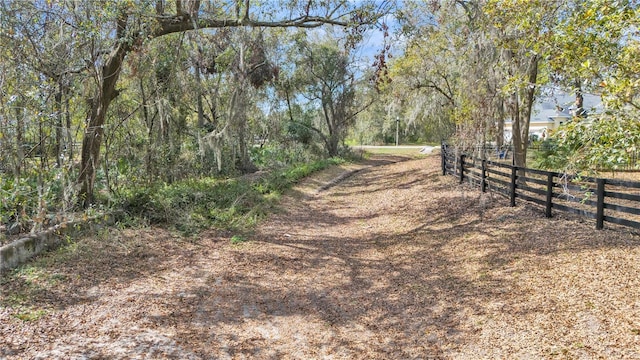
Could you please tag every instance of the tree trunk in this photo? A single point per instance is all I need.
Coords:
(58, 112)
(500, 116)
(94, 130)
(70, 141)
(516, 132)
(332, 124)
(288, 98)
(579, 111)
(333, 145)
(199, 97)
(239, 118)
(19, 154)
(522, 117)
(149, 123)
(240, 126)
(41, 148)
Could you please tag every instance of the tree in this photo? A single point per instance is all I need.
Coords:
(517, 27)
(326, 81)
(41, 74)
(425, 79)
(475, 63)
(43, 68)
(595, 49)
(579, 45)
(137, 23)
(447, 74)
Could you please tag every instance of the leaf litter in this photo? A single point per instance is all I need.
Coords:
(392, 262)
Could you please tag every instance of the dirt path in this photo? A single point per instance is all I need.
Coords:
(393, 262)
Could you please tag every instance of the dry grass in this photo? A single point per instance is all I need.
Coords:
(394, 262)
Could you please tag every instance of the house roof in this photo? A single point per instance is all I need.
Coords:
(557, 103)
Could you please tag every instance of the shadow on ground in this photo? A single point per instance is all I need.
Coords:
(394, 262)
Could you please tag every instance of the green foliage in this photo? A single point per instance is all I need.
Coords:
(474, 64)
(35, 199)
(28, 314)
(300, 131)
(596, 47)
(275, 156)
(326, 78)
(196, 204)
(280, 180)
(238, 239)
(606, 142)
(192, 205)
(178, 103)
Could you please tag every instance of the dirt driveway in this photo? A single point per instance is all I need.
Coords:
(393, 262)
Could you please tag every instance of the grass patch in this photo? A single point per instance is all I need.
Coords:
(193, 205)
(238, 239)
(23, 286)
(29, 314)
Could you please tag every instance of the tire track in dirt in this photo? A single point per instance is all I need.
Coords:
(375, 161)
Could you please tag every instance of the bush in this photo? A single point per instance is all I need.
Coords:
(36, 198)
(607, 142)
(196, 204)
(280, 180)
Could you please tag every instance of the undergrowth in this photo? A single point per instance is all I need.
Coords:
(193, 205)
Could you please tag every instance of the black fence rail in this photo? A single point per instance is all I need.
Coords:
(605, 200)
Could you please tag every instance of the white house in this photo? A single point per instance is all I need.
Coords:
(552, 110)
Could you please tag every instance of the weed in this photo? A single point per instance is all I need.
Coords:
(237, 239)
(28, 314)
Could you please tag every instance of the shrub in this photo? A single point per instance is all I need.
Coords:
(196, 204)
(606, 143)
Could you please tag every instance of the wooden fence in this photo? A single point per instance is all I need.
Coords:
(605, 200)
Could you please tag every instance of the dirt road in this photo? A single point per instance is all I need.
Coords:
(393, 262)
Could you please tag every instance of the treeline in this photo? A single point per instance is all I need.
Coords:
(470, 65)
(99, 98)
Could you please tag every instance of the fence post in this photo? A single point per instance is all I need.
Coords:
(483, 182)
(462, 156)
(443, 150)
(512, 195)
(547, 211)
(600, 208)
